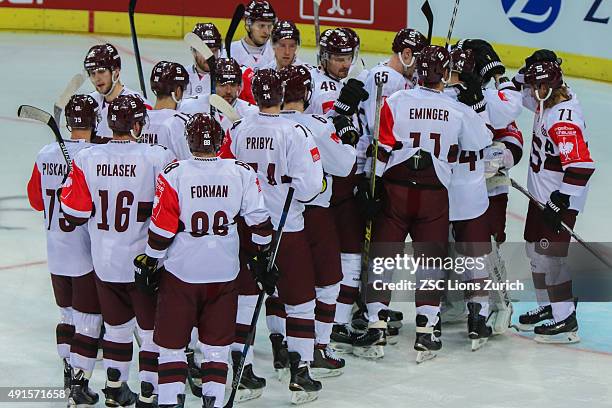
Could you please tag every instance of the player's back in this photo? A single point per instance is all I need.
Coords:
(121, 178)
(68, 246)
(174, 138)
(210, 194)
(278, 150)
(392, 81)
(155, 132)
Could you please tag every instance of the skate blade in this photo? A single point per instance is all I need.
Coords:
(303, 397)
(478, 343)
(73, 404)
(245, 394)
(371, 352)
(318, 373)
(341, 348)
(424, 355)
(282, 374)
(526, 327)
(561, 338)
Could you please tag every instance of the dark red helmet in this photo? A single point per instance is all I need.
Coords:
(166, 76)
(353, 36)
(102, 56)
(209, 34)
(432, 64)
(298, 83)
(227, 71)
(462, 60)
(268, 88)
(285, 29)
(124, 111)
(409, 38)
(334, 42)
(259, 10)
(203, 133)
(82, 112)
(544, 72)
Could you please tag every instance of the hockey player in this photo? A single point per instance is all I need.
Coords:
(103, 65)
(69, 255)
(336, 144)
(118, 180)
(279, 150)
(254, 50)
(205, 194)
(168, 82)
(396, 73)
(199, 72)
(421, 133)
(558, 177)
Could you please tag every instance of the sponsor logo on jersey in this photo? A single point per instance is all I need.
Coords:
(532, 16)
(314, 152)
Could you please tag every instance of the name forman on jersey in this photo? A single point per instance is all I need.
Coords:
(196, 204)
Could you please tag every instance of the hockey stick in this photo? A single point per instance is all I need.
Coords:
(197, 44)
(231, 30)
(30, 112)
(317, 27)
(452, 24)
(365, 254)
(428, 13)
(71, 88)
(260, 298)
(564, 225)
(354, 72)
(222, 106)
(131, 10)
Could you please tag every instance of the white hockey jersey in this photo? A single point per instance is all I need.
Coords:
(166, 127)
(199, 84)
(278, 149)
(103, 130)
(423, 118)
(324, 93)
(113, 185)
(560, 158)
(68, 246)
(205, 195)
(254, 57)
(337, 158)
(243, 109)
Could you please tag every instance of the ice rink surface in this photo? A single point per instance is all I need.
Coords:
(510, 371)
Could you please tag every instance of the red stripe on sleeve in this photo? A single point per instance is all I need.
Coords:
(387, 122)
(510, 131)
(35, 190)
(75, 192)
(247, 94)
(570, 141)
(226, 152)
(166, 210)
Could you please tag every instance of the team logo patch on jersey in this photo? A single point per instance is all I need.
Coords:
(198, 89)
(314, 152)
(566, 148)
(567, 141)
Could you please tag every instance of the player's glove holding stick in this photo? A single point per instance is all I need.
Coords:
(369, 204)
(470, 91)
(351, 95)
(146, 274)
(557, 205)
(488, 63)
(266, 280)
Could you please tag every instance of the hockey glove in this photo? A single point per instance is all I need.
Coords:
(266, 279)
(488, 63)
(146, 274)
(470, 93)
(346, 130)
(370, 205)
(351, 95)
(542, 55)
(556, 206)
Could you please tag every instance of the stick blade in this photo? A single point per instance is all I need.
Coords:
(71, 88)
(355, 70)
(221, 104)
(197, 44)
(317, 2)
(31, 112)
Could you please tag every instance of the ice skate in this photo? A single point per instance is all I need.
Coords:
(116, 392)
(527, 321)
(67, 375)
(370, 344)
(326, 363)
(208, 401)
(146, 399)
(251, 386)
(303, 388)
(81, 395)
(342, 338)
(280, 356)
(426, 343)
(478, 331)
(563, 332)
